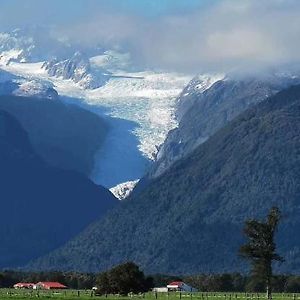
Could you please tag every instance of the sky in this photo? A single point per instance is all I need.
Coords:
(181, 35)
(17, 13)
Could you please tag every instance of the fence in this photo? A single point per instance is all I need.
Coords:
(87, 294)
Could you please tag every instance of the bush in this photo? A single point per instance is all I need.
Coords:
(123, 279)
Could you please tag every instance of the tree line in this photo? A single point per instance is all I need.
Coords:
(233, 282)
(72, 280)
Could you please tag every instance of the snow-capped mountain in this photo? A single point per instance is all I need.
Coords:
(194, 89)
(138, 105)
(32, 44)
(208, 104)
(12, 49)
(78, 69)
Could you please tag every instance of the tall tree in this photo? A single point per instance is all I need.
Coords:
(261, 248)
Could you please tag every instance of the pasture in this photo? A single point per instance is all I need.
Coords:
(13, 294)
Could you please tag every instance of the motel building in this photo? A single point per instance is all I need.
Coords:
(48, 285)
(175, 286)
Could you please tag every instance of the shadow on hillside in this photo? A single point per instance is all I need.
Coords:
(118, 160)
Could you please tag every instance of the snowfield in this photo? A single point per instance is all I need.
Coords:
(123, 190)
(145, 100)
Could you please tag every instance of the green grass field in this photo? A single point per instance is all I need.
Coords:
(10, 294)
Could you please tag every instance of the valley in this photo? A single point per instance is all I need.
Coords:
(150, 147)
(139, 107)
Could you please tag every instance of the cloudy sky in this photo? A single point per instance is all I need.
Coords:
(182, 35)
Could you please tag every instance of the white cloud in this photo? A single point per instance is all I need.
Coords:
(228, 35)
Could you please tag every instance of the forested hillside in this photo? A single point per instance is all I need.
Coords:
(190, 219)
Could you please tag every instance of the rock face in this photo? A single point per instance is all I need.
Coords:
(201, 112)
(190, 219)
(41, 206)
(78, 69)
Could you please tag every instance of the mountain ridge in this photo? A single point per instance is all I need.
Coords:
(201, 112)
(190, 219)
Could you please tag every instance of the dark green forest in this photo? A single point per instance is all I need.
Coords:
(190, 220)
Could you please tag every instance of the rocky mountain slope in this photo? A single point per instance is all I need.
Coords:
(78, 69)
(204, 108)
(41, 206)
(190, 219)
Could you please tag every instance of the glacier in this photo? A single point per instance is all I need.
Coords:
(139, 106)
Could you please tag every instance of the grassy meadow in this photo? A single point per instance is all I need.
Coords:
(9, 294)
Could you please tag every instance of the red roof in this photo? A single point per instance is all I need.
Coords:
(178, 283)
(50, 284)
(24, 284)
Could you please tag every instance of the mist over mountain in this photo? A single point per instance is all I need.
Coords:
(202, 111)
(186, 36)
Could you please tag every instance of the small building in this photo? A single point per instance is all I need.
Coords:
(24, 285)
(180, 286)
(160, 289)
(49, 285)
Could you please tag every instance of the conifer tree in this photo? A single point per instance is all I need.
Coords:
(261, 248)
